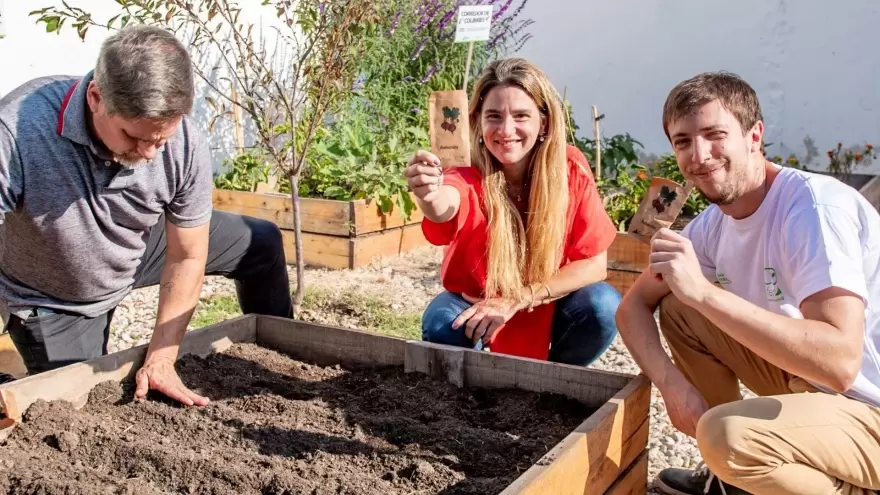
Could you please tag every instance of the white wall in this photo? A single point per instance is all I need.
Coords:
(27, 51)
(812, 62)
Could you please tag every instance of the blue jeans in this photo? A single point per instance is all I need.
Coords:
(584, 324)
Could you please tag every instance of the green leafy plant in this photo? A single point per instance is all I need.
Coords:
(841, 162)
(352, 163)
(619, 152)
(622, 195)
(243, 172)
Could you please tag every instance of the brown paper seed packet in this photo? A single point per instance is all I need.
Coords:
(659, 208)
(449, 127)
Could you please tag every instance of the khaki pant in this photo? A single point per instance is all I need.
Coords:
(793, 439)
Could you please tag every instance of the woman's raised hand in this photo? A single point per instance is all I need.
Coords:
(424, 175)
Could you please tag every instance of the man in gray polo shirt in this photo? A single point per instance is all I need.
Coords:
(105, 185)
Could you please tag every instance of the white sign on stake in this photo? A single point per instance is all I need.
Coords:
(474, 23)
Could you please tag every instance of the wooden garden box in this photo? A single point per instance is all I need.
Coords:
(627, 259)
(605, 454)
(336, 234)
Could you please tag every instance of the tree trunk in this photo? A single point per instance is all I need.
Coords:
(297, 234)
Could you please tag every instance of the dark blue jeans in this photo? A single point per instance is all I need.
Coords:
(584, 324)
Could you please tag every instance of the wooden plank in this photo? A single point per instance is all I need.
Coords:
(391, 242)
(10, 359)
(337, 252)
(633, 481)
(627, 253)
(319, 216)
(591, 386)
(73, 382)
(325, 251)
(328, 345)
(441, 363)
(611, 465)
(368, 217)
(591, 458)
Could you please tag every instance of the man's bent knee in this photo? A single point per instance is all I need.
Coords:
(729, 437)
(266, 236)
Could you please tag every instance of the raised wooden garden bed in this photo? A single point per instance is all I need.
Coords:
(627, 259)
(275, 381)
(336, 234)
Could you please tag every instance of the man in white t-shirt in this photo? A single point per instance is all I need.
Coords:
(776, 284)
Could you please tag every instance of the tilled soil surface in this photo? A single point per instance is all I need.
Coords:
(279, 426)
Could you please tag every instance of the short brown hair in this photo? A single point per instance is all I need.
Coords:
(145, 72)
(732, 91)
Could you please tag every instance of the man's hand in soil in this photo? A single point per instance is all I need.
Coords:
(159, 374)
(485, 317)
(673, 258)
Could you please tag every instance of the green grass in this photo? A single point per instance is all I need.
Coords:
(214, 310)
(369, 311)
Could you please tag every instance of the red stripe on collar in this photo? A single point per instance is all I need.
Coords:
(64, 107)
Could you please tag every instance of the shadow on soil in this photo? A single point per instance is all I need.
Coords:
(402, 428)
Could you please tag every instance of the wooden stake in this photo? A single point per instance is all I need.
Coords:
(567, 114)
(467, 65)
(236, 120)
(598, 142)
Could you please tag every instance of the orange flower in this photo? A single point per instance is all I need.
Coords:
(858, 157)
(641, 175)
(869, 146)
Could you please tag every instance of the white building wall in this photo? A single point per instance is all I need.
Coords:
(813, 62)
(27, 52)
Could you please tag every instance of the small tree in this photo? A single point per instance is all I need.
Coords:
(286, 105)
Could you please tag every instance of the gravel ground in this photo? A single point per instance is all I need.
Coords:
(408, 280)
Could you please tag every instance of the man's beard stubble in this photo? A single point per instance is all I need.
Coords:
(132, 163)
(731, 191)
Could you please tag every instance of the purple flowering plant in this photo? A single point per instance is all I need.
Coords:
(410, 53)
(414, 53)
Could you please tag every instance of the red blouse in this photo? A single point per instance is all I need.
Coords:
(589, 232)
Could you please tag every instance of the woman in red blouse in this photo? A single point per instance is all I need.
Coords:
(524, 227)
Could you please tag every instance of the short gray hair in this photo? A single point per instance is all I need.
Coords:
(144, 72)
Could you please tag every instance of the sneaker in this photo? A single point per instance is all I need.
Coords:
(700, 481)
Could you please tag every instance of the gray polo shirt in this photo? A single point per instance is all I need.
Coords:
(74, 222)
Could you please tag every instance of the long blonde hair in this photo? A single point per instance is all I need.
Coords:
(517, 256)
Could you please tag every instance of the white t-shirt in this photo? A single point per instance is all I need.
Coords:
(811, 232)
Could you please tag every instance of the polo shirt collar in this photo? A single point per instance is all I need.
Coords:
(72, 123)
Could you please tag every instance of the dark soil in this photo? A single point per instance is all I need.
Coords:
(280, 426)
